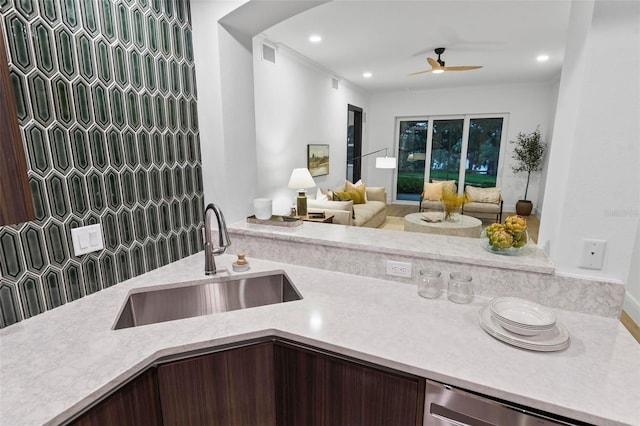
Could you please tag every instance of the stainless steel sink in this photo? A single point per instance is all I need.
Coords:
(217, 295)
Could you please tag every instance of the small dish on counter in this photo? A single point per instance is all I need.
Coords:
(521, 316)
(555, 338)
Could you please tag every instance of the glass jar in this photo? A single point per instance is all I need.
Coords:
(460, 289)
(430, 284)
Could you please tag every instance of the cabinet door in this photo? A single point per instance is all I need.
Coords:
(16, 205)
(232, 388)
(317, 389)
(136, 403)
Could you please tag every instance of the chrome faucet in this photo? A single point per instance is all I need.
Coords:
(223, 238)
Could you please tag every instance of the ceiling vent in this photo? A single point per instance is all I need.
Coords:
(268, 53)
(335, 83)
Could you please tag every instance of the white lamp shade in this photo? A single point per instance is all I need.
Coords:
(385, 163)
(301, 179)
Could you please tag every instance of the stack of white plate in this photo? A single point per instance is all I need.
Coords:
(523, 323)
(521, 316)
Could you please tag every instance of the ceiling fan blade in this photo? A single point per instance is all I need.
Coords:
(420, 72)
(462, 68)
(433, 62)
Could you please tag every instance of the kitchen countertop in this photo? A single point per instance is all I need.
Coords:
(438, 247)
(57, 363)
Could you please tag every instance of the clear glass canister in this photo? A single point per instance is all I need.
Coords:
(460, 289)
(430, 284)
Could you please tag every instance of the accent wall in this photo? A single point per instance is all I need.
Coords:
(106, 99)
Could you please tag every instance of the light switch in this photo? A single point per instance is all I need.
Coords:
(87, 239)
(83, 241)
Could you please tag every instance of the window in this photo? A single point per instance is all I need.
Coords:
(461, 148)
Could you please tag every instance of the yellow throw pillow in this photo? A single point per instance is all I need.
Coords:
(356, 196)
(432, 191)
(482, 195)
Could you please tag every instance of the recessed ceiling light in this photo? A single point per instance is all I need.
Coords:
(367, 75)
(315, 38)
(542, 58)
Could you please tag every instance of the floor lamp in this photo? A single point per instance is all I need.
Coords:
(382, 162)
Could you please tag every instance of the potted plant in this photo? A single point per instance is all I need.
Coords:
(528, 154)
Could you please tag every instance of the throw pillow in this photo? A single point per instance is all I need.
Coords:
(359, 185)
(482, 195)
(432, 191)
(447, 184)
(328, 193)
(321, 195)
(356, 196)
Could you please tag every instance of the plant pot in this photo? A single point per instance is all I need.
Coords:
(524, 207)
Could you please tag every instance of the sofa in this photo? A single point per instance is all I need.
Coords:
(482, 203)
(370, 212)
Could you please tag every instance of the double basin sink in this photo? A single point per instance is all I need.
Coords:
(219, 294)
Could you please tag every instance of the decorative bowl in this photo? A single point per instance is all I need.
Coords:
(510, 251)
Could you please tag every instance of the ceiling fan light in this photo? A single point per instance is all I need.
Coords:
(437, 71)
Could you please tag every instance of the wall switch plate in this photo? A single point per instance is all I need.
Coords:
(593, 253)
(87, 239)
(398, 269)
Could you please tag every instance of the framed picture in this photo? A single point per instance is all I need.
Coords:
(318, 159)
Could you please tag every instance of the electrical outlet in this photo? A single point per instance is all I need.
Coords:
(398, 269)
(593, 254)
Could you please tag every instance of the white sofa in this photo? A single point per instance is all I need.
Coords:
(370, 214)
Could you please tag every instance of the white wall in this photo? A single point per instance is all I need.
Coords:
(594, 160)
(224, 69)
(295, 106)
(527, 106)
(225, 99)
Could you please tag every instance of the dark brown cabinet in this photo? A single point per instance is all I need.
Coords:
(134, 404)
(318, 389)
(233, 388)
(265, 383)
(16, 205)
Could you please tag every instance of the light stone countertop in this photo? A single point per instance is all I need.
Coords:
(57, 363)
(437, 247)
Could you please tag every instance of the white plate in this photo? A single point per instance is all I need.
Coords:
(555, 339)
(517, 329)
(521, 312)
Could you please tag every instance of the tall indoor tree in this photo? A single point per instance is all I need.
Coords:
(528, 154)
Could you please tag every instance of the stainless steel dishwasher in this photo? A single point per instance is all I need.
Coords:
(446, 406)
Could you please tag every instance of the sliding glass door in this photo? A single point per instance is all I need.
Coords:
(446, 146)
(483, 151)
(412, 145)
(461, 148)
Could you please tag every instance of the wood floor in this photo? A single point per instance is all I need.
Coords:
(533, 225)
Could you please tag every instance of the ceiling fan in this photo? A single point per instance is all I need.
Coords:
(438, 66)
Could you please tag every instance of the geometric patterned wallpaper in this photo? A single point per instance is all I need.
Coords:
(106, 99)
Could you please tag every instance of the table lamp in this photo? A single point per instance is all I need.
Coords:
(301, 180)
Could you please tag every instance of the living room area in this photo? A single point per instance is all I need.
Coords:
(297, 101)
